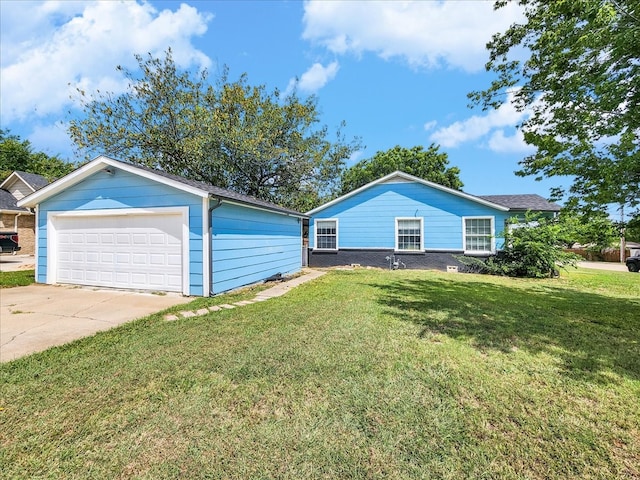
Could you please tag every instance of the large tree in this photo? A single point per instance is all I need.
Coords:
(229, 134)
(429, 164)
(574, 65)
(17, 154)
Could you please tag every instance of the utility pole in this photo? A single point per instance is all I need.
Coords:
(623, 243)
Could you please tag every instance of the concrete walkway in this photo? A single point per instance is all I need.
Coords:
(275, 291)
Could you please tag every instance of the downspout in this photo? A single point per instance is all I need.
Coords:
(210, 233)
(15, 221)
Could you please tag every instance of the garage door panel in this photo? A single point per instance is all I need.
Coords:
(136, 251)
(123, 239)
(139, 239)
(92, 275)
(107, 238)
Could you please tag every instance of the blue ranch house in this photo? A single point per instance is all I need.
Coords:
(113, 224)
(416, 222)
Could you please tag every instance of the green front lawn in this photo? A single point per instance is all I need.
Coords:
(359, 374)
(20, 278)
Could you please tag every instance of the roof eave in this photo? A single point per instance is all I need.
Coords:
(234, 201)
(10, 211)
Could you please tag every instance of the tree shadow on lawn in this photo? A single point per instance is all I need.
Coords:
(591, 334)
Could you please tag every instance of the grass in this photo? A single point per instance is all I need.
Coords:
(20, 278)
(359, 374)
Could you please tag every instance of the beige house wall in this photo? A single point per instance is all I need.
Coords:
(26, 230)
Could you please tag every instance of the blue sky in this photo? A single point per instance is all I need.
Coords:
(397, 73)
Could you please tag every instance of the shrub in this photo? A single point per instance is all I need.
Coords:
(531, 249)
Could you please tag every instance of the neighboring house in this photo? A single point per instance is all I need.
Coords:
(19, 219)
(416, 222)
(113, 224)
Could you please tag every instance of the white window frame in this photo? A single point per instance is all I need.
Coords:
(492, 235)
(398, 220)
(315, 234)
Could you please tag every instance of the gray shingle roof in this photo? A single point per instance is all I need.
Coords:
(219, 192)
(34, 180)
(8, 202)
(522, 202)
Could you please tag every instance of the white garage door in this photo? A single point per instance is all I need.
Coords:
(132, 251)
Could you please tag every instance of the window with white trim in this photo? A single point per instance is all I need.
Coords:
(326, 234)
(408, 234)
(478, 234)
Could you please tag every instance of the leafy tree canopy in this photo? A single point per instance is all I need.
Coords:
(581, 84)
(17, 154)
(229, 134)
(597, 230)
(430, 164)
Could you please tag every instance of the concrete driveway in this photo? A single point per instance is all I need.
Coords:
(611, 266)
(13, 263)
(37, 317)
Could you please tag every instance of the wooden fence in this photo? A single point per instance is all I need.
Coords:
(606, 255)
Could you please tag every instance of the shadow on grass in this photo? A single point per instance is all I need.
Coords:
(591, 335)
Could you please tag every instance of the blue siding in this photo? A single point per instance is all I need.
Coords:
(250, 245)
(367, 219)
(125, 190)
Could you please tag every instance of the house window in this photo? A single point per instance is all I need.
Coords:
(478, 235)
(409, 234)
(327, 234)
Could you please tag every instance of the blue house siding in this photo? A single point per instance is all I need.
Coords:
(249, 245)
(101, 191)
(367, 219)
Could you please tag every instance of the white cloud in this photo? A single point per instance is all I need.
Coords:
(48, 45)
(481, 126)
(515, 143)
(425, 34)
(316, 77)
(430, 125)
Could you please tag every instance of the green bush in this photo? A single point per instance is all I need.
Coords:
(532, 249)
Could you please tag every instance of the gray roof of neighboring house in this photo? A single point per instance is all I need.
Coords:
(8, 202)
(523, 202)
(34, 180)
(219, 192)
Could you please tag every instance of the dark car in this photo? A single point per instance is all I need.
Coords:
(9, 242)
(633, 263)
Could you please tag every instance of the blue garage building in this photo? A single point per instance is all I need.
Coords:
(114, 224)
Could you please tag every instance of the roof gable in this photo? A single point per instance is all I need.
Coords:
(23, 182)
(402, 177)
(108, 165)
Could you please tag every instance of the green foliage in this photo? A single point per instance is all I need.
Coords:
(595, 229)
(581, 84)
(632, 232)
(17, 154)
(429, 164)
(532, 249)
(228, 134)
